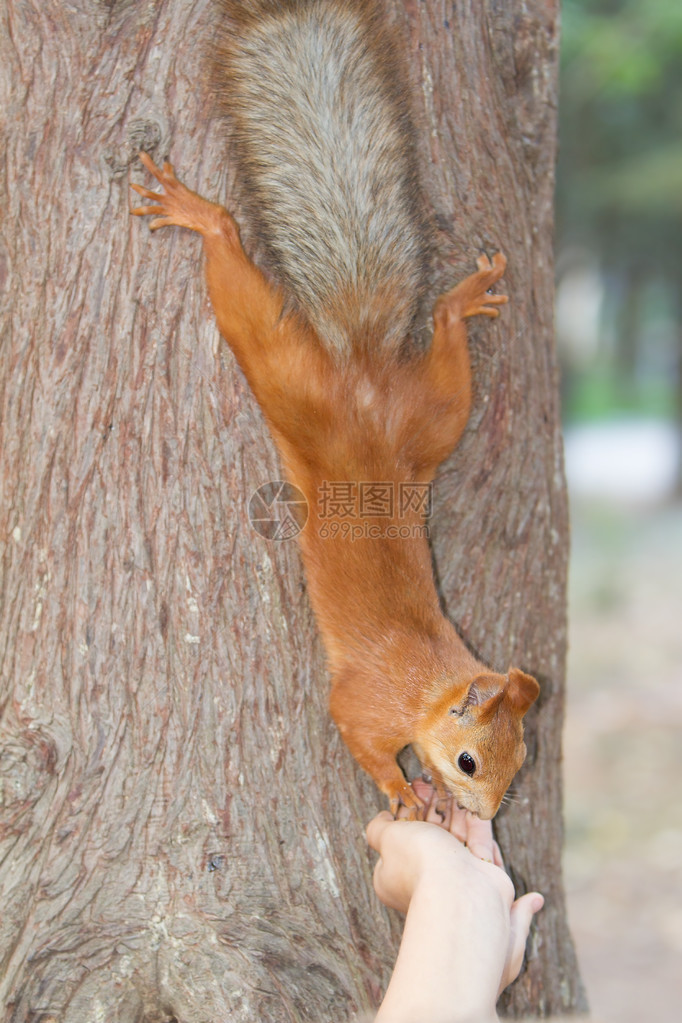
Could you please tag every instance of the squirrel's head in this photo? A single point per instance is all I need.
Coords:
(473, 738)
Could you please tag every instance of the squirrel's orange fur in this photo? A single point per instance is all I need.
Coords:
(359, 412)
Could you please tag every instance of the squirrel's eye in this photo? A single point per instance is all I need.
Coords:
(466, 763)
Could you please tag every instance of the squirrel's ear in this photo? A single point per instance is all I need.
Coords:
(485, 693)
(523, 690)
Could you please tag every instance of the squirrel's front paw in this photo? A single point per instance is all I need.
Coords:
(405, 796)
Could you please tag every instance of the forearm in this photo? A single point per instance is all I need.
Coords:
(450, 960)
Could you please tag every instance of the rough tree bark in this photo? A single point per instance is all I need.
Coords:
(181, 830)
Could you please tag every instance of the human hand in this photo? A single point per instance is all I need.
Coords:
(453, 855)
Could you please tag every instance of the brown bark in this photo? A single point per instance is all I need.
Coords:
(181, 830)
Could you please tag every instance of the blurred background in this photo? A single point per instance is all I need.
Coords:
(619, 323)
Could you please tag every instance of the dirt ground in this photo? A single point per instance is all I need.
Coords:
(623, 760)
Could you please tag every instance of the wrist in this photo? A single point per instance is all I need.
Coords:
(452, 952)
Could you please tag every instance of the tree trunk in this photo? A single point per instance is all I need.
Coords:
(182, 827)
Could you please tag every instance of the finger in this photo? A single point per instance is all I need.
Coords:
(424, 790)
(142, 211)
(497, 856)
(479, 838)
(159, 174)
(458, 823)
(522, 912)
(376, 828)
(162, 222)
(145, 192)
(149, 164)
(441, 811)
(407, 813)
(429, 797)
(387, 891)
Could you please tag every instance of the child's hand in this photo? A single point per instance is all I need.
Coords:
(452, 861)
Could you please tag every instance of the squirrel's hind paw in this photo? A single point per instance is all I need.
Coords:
(178, 205)
(496, 268)
(472, 296)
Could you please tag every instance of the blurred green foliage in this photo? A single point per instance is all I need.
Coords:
(620, 160)
(599, 394)
(619, 192)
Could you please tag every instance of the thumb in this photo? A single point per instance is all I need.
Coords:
(376, 827)
(522, 912)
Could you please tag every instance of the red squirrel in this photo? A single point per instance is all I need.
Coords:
(325, 151)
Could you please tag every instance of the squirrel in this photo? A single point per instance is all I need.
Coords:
(325, 152)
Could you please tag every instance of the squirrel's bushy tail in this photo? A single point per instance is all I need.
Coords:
(315, 97)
